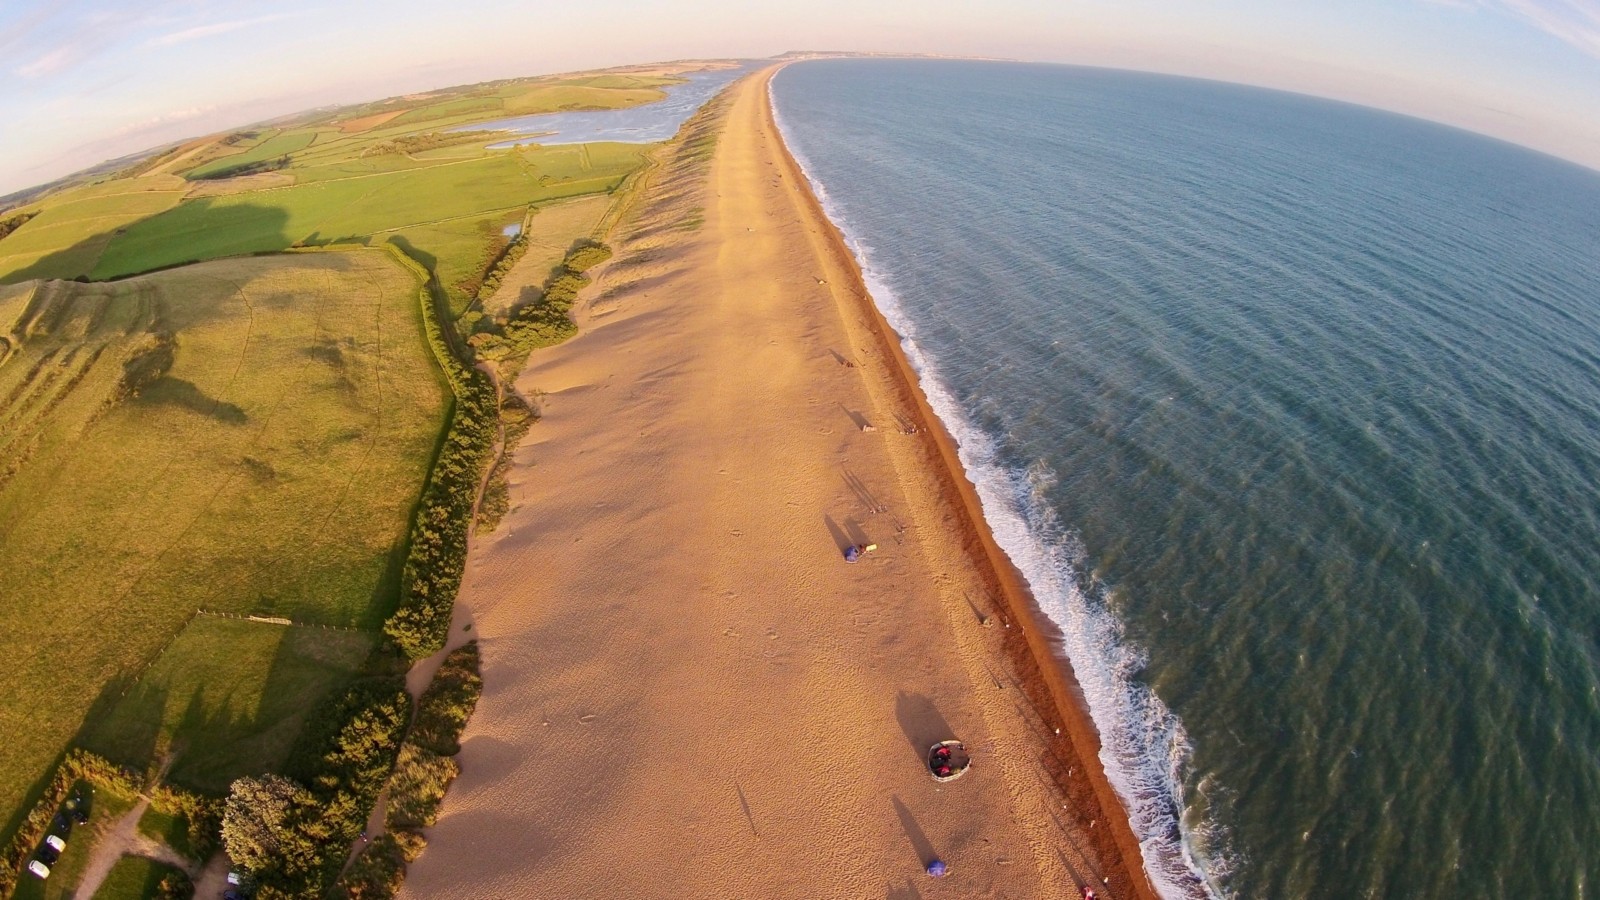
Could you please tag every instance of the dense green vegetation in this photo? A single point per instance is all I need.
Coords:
(292, 833)
(422, 775)
(447, 704)
(438, 551)
(544, 321)
(12, 223)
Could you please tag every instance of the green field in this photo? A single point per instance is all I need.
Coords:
(246, 435)
(66, 238)
(446, 214)
(226, 698)
(132, 878)
(278, 145)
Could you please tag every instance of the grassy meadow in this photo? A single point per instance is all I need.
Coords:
(226, 698)
(246, 435)
(133, 878)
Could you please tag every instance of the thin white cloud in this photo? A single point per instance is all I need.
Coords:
(51, 63)
(1575, 21)
(216, 28)
(168, 118)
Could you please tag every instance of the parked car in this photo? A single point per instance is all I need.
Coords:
(39, 869)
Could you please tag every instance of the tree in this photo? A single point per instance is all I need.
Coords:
(256, 819)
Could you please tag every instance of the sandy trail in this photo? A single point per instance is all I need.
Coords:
(688, 692)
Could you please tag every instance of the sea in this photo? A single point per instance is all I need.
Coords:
(1289, 411)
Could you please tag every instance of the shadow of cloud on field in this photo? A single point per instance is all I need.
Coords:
(193, 231)
(169, 391)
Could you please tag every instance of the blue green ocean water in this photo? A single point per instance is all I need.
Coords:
(1289, 411)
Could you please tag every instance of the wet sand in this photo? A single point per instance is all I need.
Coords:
(688, 691)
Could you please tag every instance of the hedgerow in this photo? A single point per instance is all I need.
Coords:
(497, 273)
(447, 704)
(438, 548)
(12, 223)
(546, 320)
(421, 777)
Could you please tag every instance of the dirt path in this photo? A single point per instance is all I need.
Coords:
(123, 839)
(688, 691)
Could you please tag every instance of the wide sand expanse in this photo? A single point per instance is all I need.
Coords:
(688, 691)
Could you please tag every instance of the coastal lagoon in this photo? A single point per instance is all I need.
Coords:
(643, 124)
(1289, 411)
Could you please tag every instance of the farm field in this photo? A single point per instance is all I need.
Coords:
(162, 440)
(226, 698)
(67, 236)
(197, 426)
(365, 173)
(272, 147)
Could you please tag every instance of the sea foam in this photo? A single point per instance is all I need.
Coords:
(1144, 749)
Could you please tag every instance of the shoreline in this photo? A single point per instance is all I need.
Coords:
(665, 617)
(1040, 637)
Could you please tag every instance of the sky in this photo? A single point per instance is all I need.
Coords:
(91, 80)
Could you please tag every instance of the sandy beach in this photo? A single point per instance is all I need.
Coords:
(688, 691)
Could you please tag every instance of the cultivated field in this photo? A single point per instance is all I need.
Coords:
(245, 435)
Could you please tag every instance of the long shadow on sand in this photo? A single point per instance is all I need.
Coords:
(914, 833)
(922, 723)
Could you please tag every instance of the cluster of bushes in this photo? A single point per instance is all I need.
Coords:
(545, 321)
(12, 223)
(421, 777)
(516, 417)
(201, 815)
(174, 885)
(438, 550)
(249, 168)
(497, 272)
(381, 868)
(447, 704)
(433, 140)
(291, 834)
